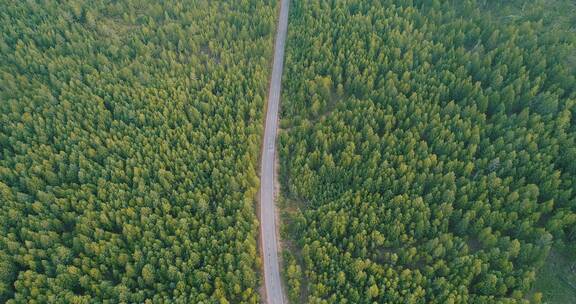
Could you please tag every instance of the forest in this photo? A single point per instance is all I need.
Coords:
(428, 150)
(129, 138)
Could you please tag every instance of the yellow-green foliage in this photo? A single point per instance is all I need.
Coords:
(447, 166)
(129, 135)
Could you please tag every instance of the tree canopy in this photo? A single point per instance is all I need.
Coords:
(429, 149)
(129, 138)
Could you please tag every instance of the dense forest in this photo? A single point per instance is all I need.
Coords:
(428, 149)
(129, 138)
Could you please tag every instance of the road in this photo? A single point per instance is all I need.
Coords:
(268, 229)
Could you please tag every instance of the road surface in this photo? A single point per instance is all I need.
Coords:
(268, 229)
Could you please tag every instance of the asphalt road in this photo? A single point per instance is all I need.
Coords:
(272, 281)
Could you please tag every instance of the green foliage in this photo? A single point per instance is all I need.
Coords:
(293, 278)
(129, 136)
(445, 170)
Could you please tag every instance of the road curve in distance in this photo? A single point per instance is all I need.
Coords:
(269, 241)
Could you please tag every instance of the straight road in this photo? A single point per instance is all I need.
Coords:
(268, 229)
